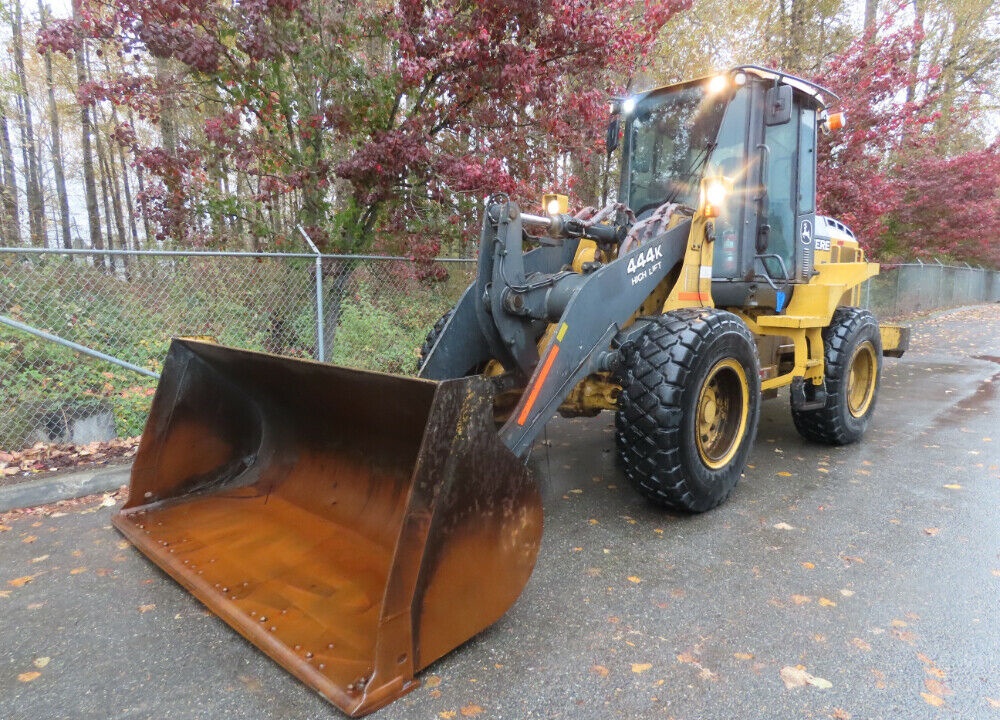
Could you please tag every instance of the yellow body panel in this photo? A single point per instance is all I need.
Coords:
(694, 286)
(839, 274)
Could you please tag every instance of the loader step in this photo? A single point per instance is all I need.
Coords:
(792, 321)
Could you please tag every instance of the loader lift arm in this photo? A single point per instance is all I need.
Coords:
(518, 295)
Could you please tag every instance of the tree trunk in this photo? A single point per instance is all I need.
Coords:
(113, 191)
(129, 203)
(57, 156)
(918, 25)
(36, 206)
(102, 167)
(871, 15)
(141, 185)
(10, 220)
(169, 138)
(89, 184)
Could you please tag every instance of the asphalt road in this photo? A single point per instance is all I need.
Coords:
(870, 573)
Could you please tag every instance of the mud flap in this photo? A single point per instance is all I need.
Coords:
(354, 526)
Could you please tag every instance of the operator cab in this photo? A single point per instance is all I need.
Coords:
(754, 131)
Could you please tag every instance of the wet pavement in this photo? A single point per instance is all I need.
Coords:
(856, 582)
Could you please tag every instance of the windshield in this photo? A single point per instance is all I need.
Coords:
(671, 135)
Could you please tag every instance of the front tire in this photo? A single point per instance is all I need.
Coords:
(853, 359)
(688, 412)
(432, 337)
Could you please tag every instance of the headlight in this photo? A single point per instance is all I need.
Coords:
(715, 192)
(555, 204)
(628, 105)
(717, 84)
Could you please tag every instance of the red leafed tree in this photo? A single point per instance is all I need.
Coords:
(951, 206)
(855, 180)
(487, 97)
(363, 119)
(887, 175)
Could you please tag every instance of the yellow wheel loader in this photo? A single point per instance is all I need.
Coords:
(356, 526)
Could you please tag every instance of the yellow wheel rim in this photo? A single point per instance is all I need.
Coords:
(722, 411)
(861, 380)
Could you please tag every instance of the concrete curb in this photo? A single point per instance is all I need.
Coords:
(63, 487)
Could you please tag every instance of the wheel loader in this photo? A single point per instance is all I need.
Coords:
(356, 526)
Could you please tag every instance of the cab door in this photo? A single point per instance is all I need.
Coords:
(789, 178)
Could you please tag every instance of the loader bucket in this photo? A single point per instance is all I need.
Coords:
(355, 526)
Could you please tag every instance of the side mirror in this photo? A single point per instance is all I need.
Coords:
(611, 140)
(778, 105)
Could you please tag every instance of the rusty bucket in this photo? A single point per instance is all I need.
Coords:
(355, 526)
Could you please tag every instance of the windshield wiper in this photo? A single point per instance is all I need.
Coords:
(695, 166)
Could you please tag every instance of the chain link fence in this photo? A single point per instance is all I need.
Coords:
(366, 311)
(908, 288)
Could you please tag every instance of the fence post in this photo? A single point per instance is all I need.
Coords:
(895, 293)
(320, 347)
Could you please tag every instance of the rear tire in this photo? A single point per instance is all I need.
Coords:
(853, 358)
(688, 412)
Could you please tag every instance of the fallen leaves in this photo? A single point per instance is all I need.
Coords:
(78, 570)
(861, 644)
(432, 681)
(795, 677)
(932, 531)
(634, 579)
(471, 710)
(599, 670)
(937, 690)
(825, 602)
(936, 687)
(689, 659)
(45, 458)
(953, 486)
(782, 526)
(40, 662)
(932, 699)
(27, 677)
(146, 608)
(21, 581)
(640, 668)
